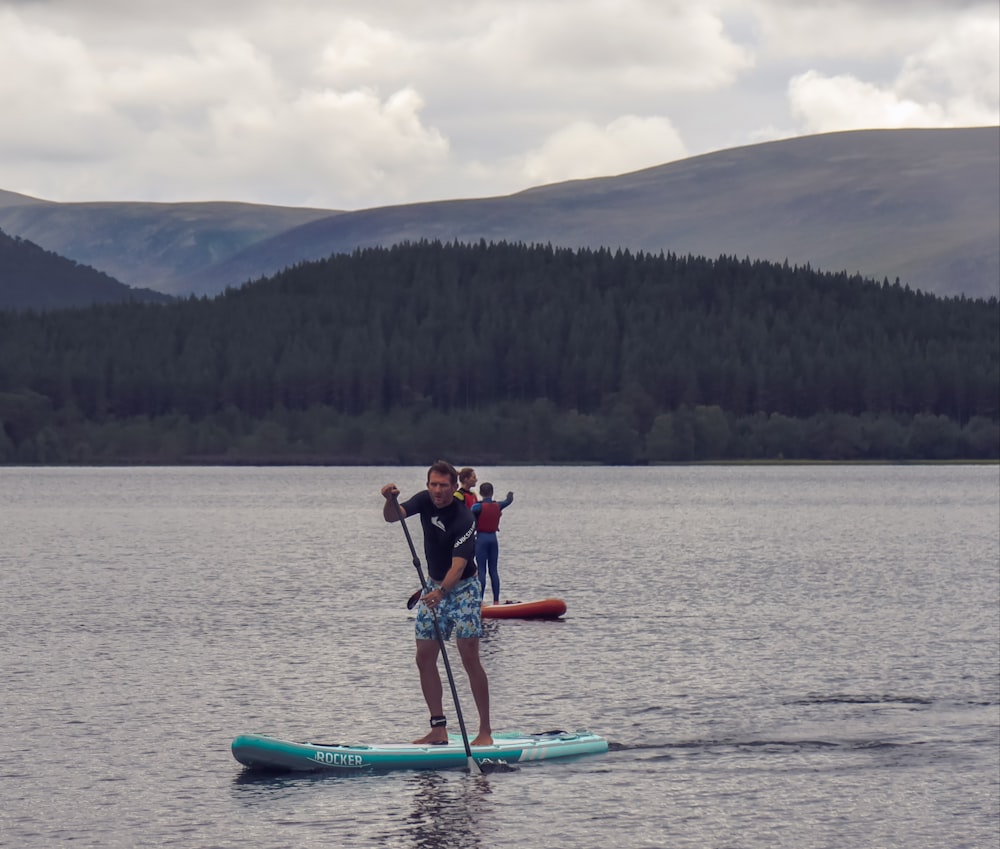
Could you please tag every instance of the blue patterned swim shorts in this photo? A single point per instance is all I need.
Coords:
(460, 612)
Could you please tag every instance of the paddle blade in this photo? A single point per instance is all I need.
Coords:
(411, 602)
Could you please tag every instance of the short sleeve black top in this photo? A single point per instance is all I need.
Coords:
(448, 532)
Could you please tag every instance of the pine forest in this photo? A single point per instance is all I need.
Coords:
(507, 353)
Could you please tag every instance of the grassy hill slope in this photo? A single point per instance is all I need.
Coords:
(919, 205)
(36, 279)
(149, 244)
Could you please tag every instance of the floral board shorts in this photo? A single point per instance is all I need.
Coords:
(460, 612)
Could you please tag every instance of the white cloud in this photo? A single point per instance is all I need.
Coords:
(366, 102)
(825, 104)
(357, 49)
(852, 29)
(644, 44)
(959, 67)
(203, 122)
(49, 94)
(584, 149)
(953, 81)
(308, 150)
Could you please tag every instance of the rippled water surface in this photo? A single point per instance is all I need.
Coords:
(781, 657)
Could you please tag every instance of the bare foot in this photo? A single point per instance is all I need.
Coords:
(436, 737)
(483, 740)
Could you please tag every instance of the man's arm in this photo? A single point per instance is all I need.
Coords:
(390, 492)
(454, 573)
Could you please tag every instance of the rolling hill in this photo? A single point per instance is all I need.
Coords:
(922, 206)
(36, 279)
(148, 244)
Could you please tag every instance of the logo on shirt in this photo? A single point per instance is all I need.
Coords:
(468, 533)
(437, 523)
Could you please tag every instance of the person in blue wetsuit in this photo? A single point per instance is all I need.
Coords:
(453, 594)
(487, 513)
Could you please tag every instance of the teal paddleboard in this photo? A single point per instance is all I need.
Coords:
(257, 751)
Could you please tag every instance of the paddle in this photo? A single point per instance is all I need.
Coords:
(473, 766)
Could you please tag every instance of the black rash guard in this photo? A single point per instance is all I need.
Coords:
(448, 532)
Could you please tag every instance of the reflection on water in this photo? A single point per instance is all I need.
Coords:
(448, 810)
(251, 787)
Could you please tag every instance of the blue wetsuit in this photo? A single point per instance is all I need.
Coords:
(487, 546)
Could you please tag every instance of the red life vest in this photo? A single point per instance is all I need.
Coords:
(488, 517)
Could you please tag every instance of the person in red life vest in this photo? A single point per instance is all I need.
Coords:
(487, 513)
(466, 482)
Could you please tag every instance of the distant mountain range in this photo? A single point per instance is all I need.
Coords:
(152, 245)
(922, 206)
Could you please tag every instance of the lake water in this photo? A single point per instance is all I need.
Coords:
(801, 656)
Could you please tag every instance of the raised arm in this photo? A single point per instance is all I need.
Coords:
(390, 492)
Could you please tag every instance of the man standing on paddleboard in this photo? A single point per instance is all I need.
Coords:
(453, 594)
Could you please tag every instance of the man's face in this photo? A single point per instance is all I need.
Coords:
(441, 488)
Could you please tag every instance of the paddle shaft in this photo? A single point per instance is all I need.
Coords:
(473, 766)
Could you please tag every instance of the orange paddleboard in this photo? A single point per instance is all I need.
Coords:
(546, 608)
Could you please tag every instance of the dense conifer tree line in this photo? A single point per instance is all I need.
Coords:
(509, 353)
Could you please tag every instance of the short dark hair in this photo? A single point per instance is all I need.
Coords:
(443, 467)
(486, 490)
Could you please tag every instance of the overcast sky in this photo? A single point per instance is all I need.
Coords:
(346, 104)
